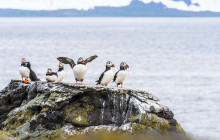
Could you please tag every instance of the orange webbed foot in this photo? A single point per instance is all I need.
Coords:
(26, 81)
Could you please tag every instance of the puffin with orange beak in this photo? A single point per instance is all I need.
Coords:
(26, 72)
(79, 69)
(60, 73)
(107, 75)
(121, 74)
(51, 76)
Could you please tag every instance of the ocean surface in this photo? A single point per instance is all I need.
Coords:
(176, 59)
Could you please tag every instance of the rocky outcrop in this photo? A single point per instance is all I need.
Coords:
(44, 110)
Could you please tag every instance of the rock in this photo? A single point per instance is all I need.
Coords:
(6, 136)
(44, 110)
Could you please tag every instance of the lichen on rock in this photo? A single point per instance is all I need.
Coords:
(6, 136)
(44, 110)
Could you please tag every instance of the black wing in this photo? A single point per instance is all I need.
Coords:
(100, 78)
(33, 76)
(115, 76)
(54, 73)
(67, 60)
(90, 59)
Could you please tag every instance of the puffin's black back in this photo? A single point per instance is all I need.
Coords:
(32, 75)
(115, 77)
(102, 75)
(53, 73)
(100, 78)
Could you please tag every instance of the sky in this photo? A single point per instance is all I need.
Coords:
(185, 5)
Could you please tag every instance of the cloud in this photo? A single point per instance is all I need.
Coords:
(196, 5)
(60, 4)
(208, 5)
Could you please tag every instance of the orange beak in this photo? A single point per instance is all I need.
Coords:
(113, 65)
(83, 61)
(22, 62)
(127, 65)
(47, 72)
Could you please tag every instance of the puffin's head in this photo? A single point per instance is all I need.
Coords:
(124, 66)
(60, 65)
(49, 71)
(80, 61)
(23, 61)
(109, 64)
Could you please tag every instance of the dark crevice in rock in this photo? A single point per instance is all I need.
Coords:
(172, 123)
(166, 114)
(126, 111)
(9, 102)
(32, 91)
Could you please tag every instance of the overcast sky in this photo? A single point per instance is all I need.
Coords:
(196, 5)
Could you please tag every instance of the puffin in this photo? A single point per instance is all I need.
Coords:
(79, 69)
(107, 75)
(51, 76)
(60, 73)
(26, 71)
(121, 74)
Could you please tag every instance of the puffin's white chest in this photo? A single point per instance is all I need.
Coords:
(108, 76)
(79, 71)
(51, 78)
(121, 76)
(24, 71)
(61, 75)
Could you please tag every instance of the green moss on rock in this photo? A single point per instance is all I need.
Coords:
(133, 118)
(138, 129)
(44, 109)
(54, 95)
(19, 119)
(78, 115)
(154, 121)
(6, 136)
(179, 128)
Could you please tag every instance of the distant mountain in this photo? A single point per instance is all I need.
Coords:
(135, 9)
